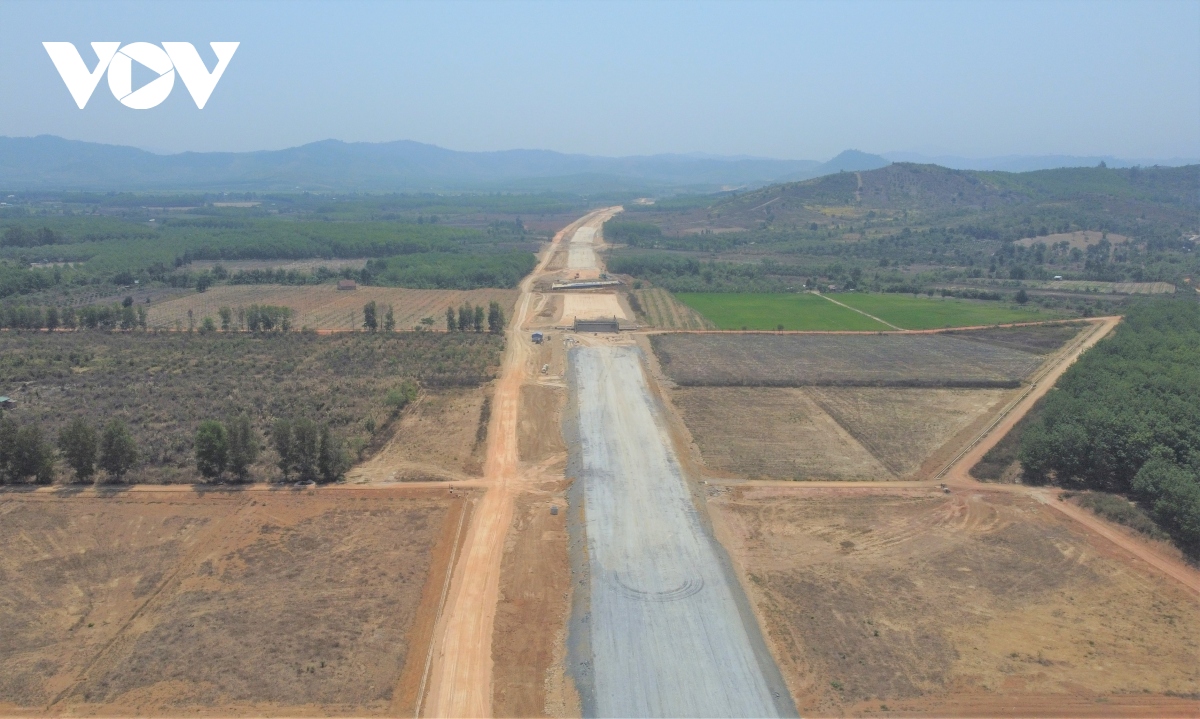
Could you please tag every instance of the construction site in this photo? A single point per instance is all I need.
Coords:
(637, 517)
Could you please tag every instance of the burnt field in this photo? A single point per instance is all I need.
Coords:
(163, 385)
(164, 602)
(883, 360)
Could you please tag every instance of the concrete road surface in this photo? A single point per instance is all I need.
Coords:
(580, 253)
(668, 631)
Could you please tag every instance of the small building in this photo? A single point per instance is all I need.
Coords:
(597, 325)
(347, 285)
(6, 403)
(537, 338)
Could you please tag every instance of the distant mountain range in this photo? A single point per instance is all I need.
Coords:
(47, 162)
(53, 163)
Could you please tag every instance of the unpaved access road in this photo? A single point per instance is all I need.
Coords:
(458, 680)
(668, 631)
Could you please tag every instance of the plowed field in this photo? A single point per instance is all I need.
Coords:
(932, 360)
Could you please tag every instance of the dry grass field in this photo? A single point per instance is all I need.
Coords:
(663, 311)
(837, 433)
(164, 385)
(324, 307)
(772, 433)
(972, 604)
(932, 360)
(170, 603)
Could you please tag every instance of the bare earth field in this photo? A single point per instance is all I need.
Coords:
(324, 307)
(586, 306)
(173, 603)
(897, 360)
(442, 437)
(663, 311)
(971, 604)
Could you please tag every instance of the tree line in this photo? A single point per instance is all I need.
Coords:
(472, 318)
(1125, 419)
(26, 455)
(306, 449)
(123, 316)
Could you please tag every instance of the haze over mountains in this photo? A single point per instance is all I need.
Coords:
(52, 163)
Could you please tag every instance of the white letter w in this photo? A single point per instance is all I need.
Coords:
(80, 82)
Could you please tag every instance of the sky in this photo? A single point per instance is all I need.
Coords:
(792, 80)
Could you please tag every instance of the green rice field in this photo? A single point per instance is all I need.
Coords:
(803, 311)
(927, 313)
(754, 311)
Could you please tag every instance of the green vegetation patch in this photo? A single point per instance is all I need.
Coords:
(774, 311)
(1125, 419)
(927, 313)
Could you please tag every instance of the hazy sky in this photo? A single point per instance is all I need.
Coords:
(801, 80)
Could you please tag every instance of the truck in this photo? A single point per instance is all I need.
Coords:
(537, 338)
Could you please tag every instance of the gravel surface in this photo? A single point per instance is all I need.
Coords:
(668, 634)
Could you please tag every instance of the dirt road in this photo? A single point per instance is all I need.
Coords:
(666, 633)
(459, 680)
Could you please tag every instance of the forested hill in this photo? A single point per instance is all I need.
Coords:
(1152, 195)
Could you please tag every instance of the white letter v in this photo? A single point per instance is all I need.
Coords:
(80, 82)
(196, 77)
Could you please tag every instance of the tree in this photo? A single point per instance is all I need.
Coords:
(212, 449)
(128, 318)
(78, 444)
(451, 323)
(399, 397)
(1022, 296)
(370, 321)
(306, 441)
(118, 451)
(207, 326)
(24, 453)
(389, 320)
(478, 318)
(8, 441)
(68, 318)
(281, 439)
(243, 445)
(226, 315)
(332, 460)
(466, 317)
(128, 301)
(141, 318)
(52, 319)
(203, 282)
(495, 318)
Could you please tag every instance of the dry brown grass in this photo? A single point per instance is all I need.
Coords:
(171, 603)
(970, 604)
(324, 307)
(903, 427)
(772, 433)
(1076, 240)
(838, 433)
